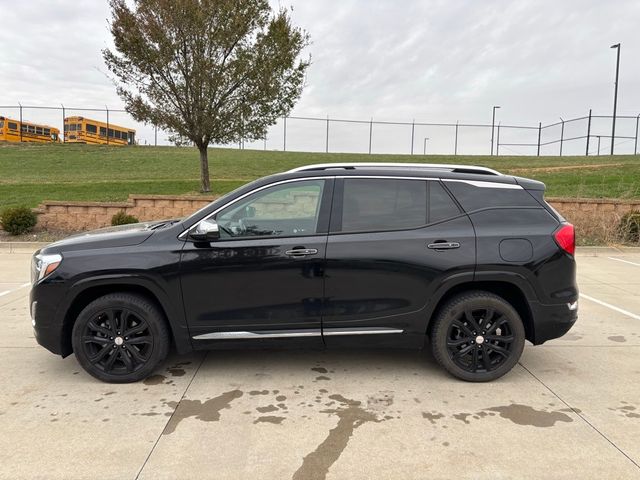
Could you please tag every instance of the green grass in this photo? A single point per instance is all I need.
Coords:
(30, 174)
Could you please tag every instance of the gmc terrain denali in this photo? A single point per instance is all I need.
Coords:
(462, 258)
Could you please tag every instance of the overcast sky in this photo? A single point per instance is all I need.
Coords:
(432, 61)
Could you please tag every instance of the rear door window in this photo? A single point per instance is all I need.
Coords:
(370, 205)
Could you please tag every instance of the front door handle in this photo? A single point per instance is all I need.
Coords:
(301, 252)
(443, 245)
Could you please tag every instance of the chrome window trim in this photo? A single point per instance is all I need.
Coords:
(483, 184)
(312, 332)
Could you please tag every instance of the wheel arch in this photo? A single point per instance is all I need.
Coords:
(510, 291)
(87, 292)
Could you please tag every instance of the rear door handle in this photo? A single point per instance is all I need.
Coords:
(443, 245)
(301, 252)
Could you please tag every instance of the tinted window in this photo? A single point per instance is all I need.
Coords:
(472, 197)
(441, 206)
(383, 204)
(12, 126)
(103, 131)
(290, 209)
(91, 128)
(72, 127)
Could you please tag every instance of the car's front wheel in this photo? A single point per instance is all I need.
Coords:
(120, 338)
(477, 336)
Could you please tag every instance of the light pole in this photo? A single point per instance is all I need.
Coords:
(615, 97)
(493, 125)
(424, 147)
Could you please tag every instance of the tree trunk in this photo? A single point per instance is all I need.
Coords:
(204, 169)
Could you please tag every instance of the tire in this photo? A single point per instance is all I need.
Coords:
(471, 346)
(120, 338)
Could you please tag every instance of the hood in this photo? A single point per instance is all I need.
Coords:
(109, 237)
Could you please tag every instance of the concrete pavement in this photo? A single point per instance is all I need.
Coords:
(570, 408)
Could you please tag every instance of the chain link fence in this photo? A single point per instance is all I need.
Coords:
(590, 134)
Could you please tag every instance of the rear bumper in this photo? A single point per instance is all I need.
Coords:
(552, 321)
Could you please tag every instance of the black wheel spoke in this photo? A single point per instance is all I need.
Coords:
(126, 359)
(468, 315)
(500, 338)
(474, 360)
(140, 340)
(97, 328)
(139, 328)
(108, 366)
(498, 322)
(464, 328)
(458, 342)
(111, 319)
(463, 351)
(101, 354)
(498, 349)
(96, 339)
(485, 358)
(136, 355)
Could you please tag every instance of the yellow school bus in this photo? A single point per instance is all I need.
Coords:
(14, 131)
(85, 130)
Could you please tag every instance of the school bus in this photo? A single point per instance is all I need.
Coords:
(85, 130)
(14, 131)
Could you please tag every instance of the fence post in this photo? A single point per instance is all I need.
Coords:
(155, 135)
(413, 130)
(588, 133)
(455, 144)
(598, 136)
(498, 140)
(20, 121)
(561, 135)
(371, 133)
(539, 136)
(63, 117)
(107, 108)
(326, 149)
(635, 148)
(284, 143)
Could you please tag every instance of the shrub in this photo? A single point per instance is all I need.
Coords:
(629, 227)
(18, 220)
(121, 218)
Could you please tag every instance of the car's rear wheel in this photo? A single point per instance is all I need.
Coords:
(120, 338)
(477, 336)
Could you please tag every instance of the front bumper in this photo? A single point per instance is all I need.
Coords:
(552, 321)
(47, 329)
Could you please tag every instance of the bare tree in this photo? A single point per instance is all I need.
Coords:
(211, 71)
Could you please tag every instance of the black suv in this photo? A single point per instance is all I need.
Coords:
(466, 259)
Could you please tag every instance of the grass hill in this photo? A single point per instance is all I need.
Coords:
(31, 173)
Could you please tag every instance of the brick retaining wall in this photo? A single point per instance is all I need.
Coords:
(594, 218)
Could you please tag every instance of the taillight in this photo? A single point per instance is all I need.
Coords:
(565, 237)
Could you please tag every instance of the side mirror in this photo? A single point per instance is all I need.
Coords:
(205, 231)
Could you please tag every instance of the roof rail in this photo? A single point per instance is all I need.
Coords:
(426, 166)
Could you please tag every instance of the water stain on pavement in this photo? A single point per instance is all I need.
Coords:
(269, 419)
(627, 411)
(322, 377)
(526, 415)
(432, 417)
(320, 369)
(207, 411)
(154, 380)
(617, 338)
(351, 415)
(267, 409)
(177, 370)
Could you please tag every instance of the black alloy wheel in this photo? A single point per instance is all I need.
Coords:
(120, 337)
(478, 336)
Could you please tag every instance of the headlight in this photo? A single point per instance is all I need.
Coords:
(43, 265)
